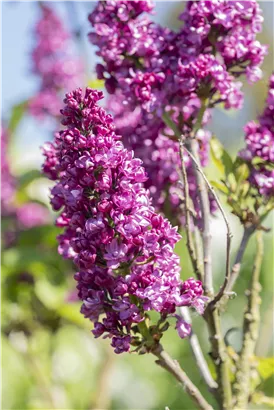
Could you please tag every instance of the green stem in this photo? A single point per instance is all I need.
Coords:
(220, 358)
(170, 124)
(189, 237)
(251, 331)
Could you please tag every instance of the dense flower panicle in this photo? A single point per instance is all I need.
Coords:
(152, 70)
(8, 182)
(205, 71)
(57, 68)
(124, 250)
(259, 138)
(160, 156)
(145, 60)
(228, 27)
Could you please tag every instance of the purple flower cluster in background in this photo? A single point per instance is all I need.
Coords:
(27, 215)
(53, 62)
(259, 150)
(152, 72)
(7, 180)
(124, 250)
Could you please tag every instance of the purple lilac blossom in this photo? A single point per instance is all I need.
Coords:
(228, 28)
(8, 183)
(144, 60)
(160, 156)
(151, 69)
(57, 68)
(259, 138)
(124, 250)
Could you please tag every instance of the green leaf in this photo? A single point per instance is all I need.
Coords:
(220, 157)
(50, 295)
(228, 163)
(17, 114)
(96, 84)
(241, 173)
(221, 187)
(28, 177)
(265, 366)
(260, 398)
(71, 312)
(216, 151)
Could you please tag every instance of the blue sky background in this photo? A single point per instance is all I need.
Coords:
(18, 83)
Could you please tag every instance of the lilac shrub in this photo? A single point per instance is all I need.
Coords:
(124, 250)
(117, 179)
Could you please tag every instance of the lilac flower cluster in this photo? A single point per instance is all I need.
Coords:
(155, 72)
(228, 28)
(160, 156)
(123, 249)
(57, 68)
(259, 138)
(145, 60)
(27, 215)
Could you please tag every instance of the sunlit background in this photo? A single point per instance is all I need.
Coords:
(50, 359)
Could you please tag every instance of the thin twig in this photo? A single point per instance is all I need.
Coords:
(173, 367)
(190, 243)
(251, 331)
(199, 249)
(229, 233)
(205, 211)
(248, 231)
(198, 353)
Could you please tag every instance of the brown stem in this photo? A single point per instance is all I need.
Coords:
(251, 331)
(173, 367)
(190, 243)
(198, 353)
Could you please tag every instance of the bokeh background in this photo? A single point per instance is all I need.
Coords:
(50, 360)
